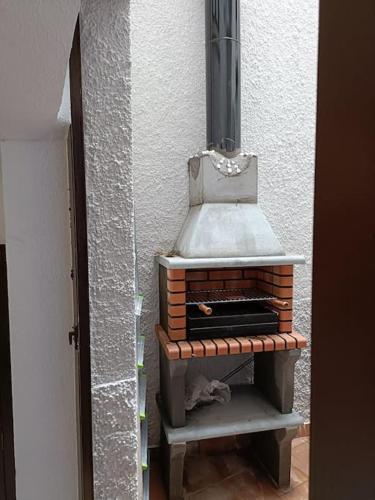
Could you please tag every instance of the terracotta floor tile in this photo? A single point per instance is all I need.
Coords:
(301, 457)
(238, 487)
(300, 493)
(229, 464)
(230, 476)
(299, 441)
(209, 470)
(217, 492)
(157, 491)
(200, 472)
(297, 477)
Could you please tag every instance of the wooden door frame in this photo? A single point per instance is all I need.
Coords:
(343, 367)
(6, 406)
(81, 270)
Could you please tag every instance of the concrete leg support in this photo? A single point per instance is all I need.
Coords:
(173, 467)
(172, 387)
(274, 376)
(274, 451)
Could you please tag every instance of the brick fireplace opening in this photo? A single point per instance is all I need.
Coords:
(179, 286)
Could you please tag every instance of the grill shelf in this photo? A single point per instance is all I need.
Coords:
(233, 295)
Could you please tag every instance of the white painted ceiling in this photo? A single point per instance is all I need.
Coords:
(35, 42)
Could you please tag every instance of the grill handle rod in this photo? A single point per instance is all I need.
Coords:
(205, 309)
(279, 303)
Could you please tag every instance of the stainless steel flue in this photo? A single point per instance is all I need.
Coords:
(223, 68)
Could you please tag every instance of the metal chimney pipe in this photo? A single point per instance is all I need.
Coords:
(223, 67)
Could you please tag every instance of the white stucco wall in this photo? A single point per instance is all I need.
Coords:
(106, 82)
(36, 202)
(35, 42)
(279, 51)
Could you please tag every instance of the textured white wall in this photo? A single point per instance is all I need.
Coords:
(279, 45)
(35, 42)
(110, 212)
(36, 203)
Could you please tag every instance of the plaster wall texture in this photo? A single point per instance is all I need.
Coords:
(35, 43)
(279, 58)
(105, 38)
(36, 202)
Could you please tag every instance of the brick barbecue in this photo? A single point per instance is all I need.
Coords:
(226, 288)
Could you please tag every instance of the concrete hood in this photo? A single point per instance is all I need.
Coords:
(225, 219)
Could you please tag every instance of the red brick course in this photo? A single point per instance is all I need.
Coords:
(276, 280)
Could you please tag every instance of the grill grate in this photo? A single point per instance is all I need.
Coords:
(234, 295)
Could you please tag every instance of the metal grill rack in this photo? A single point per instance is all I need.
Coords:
(233, 295)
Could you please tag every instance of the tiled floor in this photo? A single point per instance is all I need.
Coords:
(230, 476)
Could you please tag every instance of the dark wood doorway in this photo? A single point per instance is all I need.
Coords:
(343, 367)
(80, 335)
(7, 469)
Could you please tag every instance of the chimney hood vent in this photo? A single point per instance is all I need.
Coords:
(224, 218)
